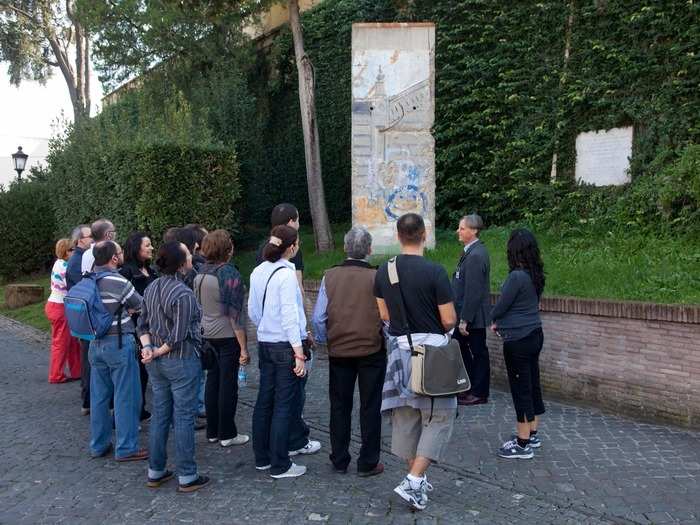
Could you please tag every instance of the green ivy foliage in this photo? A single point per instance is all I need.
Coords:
(27, 228)
(281, 173)
(507, 100)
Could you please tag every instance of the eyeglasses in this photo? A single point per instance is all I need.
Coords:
(86, 236)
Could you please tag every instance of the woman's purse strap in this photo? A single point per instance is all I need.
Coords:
(393, 270)
(262, 310)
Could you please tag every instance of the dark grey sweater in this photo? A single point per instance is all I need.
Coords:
(517, 312)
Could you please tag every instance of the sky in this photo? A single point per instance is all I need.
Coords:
(29, 116)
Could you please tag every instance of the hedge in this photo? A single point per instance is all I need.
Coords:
(27, 228)
(147, 187)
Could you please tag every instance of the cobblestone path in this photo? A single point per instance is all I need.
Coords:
(592, 468)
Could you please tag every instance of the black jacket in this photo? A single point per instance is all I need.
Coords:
(471, 286)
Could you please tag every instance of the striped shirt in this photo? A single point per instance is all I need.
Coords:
(115, 290)
(171, 315)
(58, 281)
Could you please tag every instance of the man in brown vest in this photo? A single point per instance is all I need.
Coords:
(347, 317)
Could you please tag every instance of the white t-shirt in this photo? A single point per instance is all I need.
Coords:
(88, 261)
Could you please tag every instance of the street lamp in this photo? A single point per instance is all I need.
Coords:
(20, 161)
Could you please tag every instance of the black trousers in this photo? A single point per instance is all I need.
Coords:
(522, 363)
(369, 372)
(221, 390)
(84, 373)
(475, 355)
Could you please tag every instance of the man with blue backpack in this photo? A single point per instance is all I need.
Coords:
(98, 310)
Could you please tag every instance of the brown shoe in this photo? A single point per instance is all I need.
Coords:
(471, 399)
(139, 455)
(378, 469)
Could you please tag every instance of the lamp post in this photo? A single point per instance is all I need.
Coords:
(20, 161)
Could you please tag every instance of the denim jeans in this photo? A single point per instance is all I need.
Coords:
(114, 372)
(298, 429)
(174, 382)
(279, 391)
(201, 410)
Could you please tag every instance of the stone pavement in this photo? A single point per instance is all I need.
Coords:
(592, 467)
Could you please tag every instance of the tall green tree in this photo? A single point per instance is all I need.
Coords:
(38, 36)
(133, 36)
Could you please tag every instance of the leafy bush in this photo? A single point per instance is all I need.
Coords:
(27, 228)
(145, 164)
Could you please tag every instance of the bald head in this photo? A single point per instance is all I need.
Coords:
(102, 230)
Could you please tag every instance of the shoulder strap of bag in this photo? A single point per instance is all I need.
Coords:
(394, 280)
(117, 314)
(266, 285)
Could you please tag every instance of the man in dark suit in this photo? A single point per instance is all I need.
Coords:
(471, 286)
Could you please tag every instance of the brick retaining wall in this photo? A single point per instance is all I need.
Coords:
(641, 359)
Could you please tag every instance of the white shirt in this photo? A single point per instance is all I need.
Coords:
(88, 260)
(283, 319)
(466, 246)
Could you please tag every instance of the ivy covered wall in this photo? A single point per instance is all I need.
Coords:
(507, 99)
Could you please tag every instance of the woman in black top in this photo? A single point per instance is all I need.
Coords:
(516, 319)
(138, 252)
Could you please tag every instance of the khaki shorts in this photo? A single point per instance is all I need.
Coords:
(415, 433)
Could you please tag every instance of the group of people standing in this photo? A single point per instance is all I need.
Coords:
(193, 304)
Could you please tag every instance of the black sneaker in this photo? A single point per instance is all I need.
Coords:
(193, 485)
(511, 449)
(154, 483)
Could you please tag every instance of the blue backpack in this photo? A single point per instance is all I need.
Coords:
(85, 312)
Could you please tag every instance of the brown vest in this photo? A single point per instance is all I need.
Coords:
(354, 326)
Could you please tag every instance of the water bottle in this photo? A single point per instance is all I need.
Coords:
(242, 376)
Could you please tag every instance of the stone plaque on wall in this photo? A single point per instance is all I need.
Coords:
(393, 109)
(603, 157)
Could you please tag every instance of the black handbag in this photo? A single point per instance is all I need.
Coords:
(207, 353)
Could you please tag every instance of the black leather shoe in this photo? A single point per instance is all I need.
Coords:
(471, 399)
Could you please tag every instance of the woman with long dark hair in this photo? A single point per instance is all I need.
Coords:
(137, 268)
(516, 319)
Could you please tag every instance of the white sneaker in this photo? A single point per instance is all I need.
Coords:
(416, 498)
(264, 467)
(212, 440)
(240, 439)
(310, 448)
(294, 472)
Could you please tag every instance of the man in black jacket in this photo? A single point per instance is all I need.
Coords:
(471, 286)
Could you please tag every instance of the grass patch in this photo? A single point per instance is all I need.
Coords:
(581, 264)
(32, 314)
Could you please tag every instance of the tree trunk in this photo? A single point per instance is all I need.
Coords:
(307, 103)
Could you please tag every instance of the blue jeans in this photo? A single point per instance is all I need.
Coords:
(274, 409)
(201, 410)
(298, 429)
(174, 382)
(115, 372)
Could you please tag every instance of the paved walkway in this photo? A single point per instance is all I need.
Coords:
(592, 468)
